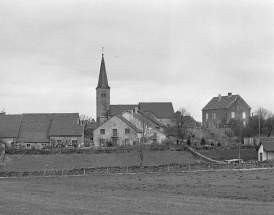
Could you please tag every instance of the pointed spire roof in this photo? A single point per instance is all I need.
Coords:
(103, 80)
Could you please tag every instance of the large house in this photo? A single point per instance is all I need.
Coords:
(159, 114)
(220, 109)
(39, 130)
(161, 111)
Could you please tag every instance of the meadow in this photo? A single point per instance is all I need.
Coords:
(71, 161)
(216, 192)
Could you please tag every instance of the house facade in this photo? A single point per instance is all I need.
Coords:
(116, 131)
(219, 110)
(266, 150)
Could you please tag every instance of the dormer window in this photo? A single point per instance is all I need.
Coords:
(103, 94)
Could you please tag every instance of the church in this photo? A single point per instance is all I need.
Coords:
(161, 111)
(124, 124)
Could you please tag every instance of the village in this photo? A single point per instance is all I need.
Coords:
(136, 107)
(227, 122)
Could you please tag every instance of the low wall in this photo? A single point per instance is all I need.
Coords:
(167, 168)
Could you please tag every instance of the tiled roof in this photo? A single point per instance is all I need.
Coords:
(150, 118)
(159, 109)
(118, 109)
(34, 128)
(103, 80)
(9, 125)
(215, 103)
(268, 145)
(65, 124)
(129, 123)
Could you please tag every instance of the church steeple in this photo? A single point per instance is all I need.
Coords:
(103, 79)
(102, 95)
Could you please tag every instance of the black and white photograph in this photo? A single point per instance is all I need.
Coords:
(136, 107)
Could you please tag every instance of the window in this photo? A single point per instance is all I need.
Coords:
(114, 131)
(206, 116)
(127, 131)
(233, 115)
(28, 145)
(103, 94)
(244, 124)
(243, 115)
(214, 116)
(102, 131)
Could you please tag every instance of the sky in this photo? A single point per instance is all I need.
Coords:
(185, 52)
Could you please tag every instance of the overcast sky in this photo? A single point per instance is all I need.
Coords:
(184, 52)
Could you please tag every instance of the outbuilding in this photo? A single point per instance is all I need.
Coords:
(266, 150)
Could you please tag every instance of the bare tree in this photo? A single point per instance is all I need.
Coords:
(143, 122)
(89, 124)
(182, 120)
(2, 152)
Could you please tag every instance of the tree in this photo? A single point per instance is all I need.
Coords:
(269, 124)
(143, 122)
(183, 119)
(89, 124)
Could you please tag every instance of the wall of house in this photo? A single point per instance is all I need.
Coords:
(67, 140)
(31, 145)
(238, 107)
(108, 137)
(9, 141)
(265, 155)
(221, 118)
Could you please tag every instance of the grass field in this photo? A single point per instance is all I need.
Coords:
(246, 154)
(227, 192)
(70, 161)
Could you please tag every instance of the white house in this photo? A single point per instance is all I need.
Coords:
(266, 150)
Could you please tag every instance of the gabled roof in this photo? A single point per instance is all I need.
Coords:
(103, 80)
(9, 125)
(159, 109)
(38, 127)
(224, 102)
(65, 124)
(118, 109)
(34, 128)
(268, 145)
(146, 115)
(123, 120)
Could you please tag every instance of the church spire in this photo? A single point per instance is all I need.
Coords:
(103, 80)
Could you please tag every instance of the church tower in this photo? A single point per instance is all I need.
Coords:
(102, 95)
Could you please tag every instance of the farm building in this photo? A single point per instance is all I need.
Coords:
(266, 150)
(40, 130)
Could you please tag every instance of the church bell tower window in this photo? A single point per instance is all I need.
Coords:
(103, 94)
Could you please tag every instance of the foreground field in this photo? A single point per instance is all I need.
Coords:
(70, 161)
(227, 192)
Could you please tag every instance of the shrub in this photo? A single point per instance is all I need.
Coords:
(203, 142)
(188, 142)
(212, 144)
(219, 144)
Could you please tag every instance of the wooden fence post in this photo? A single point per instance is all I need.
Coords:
(168, 168)
(127, 169)
(84, 171)
(189, 166)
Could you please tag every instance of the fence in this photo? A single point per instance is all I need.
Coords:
(167, 168)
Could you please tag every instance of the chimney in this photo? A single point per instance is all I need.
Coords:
(229, 94)
(219, 97)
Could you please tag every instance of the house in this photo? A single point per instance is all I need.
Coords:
(266, 150)
(116, 131)
(152, 130)
(39, 130)
(9, 127)
(219, 110)
(161, 111)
